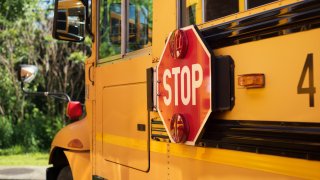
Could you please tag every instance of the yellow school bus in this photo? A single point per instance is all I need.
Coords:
(259, 70)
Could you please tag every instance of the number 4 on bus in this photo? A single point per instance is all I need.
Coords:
(311, 90)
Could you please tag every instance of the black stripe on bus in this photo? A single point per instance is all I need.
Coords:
(289, 19)
(289, 139)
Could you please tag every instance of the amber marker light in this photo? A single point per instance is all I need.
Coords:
(251, 80)
(75, 143)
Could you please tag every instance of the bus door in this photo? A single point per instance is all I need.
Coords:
(124, 54)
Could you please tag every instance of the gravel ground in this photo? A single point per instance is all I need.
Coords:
(23, 172)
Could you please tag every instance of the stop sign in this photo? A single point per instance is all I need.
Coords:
(184, 85)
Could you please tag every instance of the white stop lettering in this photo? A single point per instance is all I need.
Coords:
(181, 78)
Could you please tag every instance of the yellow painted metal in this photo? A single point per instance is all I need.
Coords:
(76, 130)
(90, 94)
(164, 21)
(248, 165)
(191, 2)
(132, 143)
(183, 162)
(124, 107)
(121, 106)
(267, 163)
(126, 79)
(79, 158)
(67, 4)
(199, 12)
(80, 164)
(242, 5)
(282, 63)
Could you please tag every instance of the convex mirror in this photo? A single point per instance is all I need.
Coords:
(27, 73)
(69, 20)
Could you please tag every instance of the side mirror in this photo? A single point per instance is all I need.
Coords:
(27, 73)
(69, 20)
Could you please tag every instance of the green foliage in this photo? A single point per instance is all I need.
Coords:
(46, 129)
(25, 38)
(7, 95)
(37, 130)
(33, 134)
(6, 132)
(13, 9)
(16, 156)
(77, 57)
(12, 151)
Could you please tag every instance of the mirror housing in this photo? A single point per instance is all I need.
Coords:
(27, 73)
(69, 20)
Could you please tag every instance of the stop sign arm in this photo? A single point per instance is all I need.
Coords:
(151, 89)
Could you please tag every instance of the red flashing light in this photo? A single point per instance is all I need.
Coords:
(74, 110)
(178, 43)
(179, 128)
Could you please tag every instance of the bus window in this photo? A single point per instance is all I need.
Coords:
(198, 11)
(191, 12)
(110, 28)
(214, 9)
(255, 3)
(140, 24)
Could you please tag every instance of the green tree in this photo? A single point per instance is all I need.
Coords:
(25, 38)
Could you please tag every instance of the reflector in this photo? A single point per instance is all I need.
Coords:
(251, 80)
(75, 143)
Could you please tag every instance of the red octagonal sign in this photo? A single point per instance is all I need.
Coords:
(184, 85)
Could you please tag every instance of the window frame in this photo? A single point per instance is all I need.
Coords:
(124, 37)
(242, 4)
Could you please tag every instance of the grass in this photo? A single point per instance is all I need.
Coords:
(16, 156)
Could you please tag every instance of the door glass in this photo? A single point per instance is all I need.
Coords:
(140, 24)
(110, 28)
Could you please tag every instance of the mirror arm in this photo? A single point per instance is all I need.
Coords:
(58, 95)
(53, 94)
